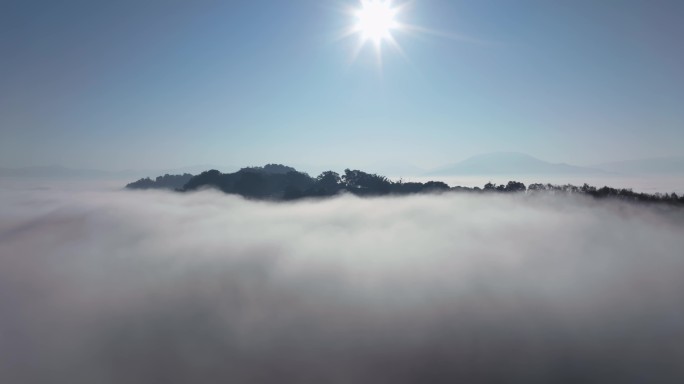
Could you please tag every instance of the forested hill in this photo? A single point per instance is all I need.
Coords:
(161, 182)
(261, 183)
(279, 182)
(178, 182)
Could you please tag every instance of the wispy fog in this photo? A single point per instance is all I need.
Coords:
(641, 183)
(105, 287)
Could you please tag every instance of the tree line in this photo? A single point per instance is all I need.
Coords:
(279, 182)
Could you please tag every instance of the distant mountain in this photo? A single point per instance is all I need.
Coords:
(512, 163)
(649, 166)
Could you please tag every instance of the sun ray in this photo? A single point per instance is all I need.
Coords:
(375, 20)
(416, 29)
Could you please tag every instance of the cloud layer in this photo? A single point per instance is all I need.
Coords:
(141, 287)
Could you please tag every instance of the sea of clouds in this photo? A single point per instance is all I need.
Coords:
(99, 285)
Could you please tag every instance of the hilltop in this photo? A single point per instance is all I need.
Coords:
(282, 183)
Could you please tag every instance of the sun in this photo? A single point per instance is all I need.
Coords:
(375, 20)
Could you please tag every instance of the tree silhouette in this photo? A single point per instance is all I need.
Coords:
(362, 183)
(515, 186)
(279, 182)
(161, 182)
(329, 181)
(435, 186)
(251, 184)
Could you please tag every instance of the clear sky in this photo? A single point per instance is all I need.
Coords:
(168, 83)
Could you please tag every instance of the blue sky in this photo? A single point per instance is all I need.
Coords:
(163, 84)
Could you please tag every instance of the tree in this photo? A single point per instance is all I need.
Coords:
(515, 186)
(586, 188)
(296, 179)
(537, 187)
(330, 182)
(207, 178)
(365, 183)
(250, 184)
(436, 186)
(292, 193)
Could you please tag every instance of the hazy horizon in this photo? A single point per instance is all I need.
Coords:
(403, 163)
(665, 178)
(391, 268)
(169, 84)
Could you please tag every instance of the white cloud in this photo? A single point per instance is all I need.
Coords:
(139, 287)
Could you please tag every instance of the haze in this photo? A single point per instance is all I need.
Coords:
(168, 84)
(283, 133)
(137, 287)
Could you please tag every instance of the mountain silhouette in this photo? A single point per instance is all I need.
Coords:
(511, 163)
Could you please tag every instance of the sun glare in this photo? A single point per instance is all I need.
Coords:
(376, 20)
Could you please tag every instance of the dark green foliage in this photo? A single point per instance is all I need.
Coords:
(254, 182)
(292, 193)
(276, 169)
(298, 180)
(512, 186)
(607, 192)
(279, 182)
(214, 179)
(161, 182)
(407, 188)
(515, 186)
(435, 186)
(329, 183)
(251, 184)
(362, 183)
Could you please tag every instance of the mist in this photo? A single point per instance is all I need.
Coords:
(110, 286)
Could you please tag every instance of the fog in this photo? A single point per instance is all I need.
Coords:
(108, 286)
(638, 183)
